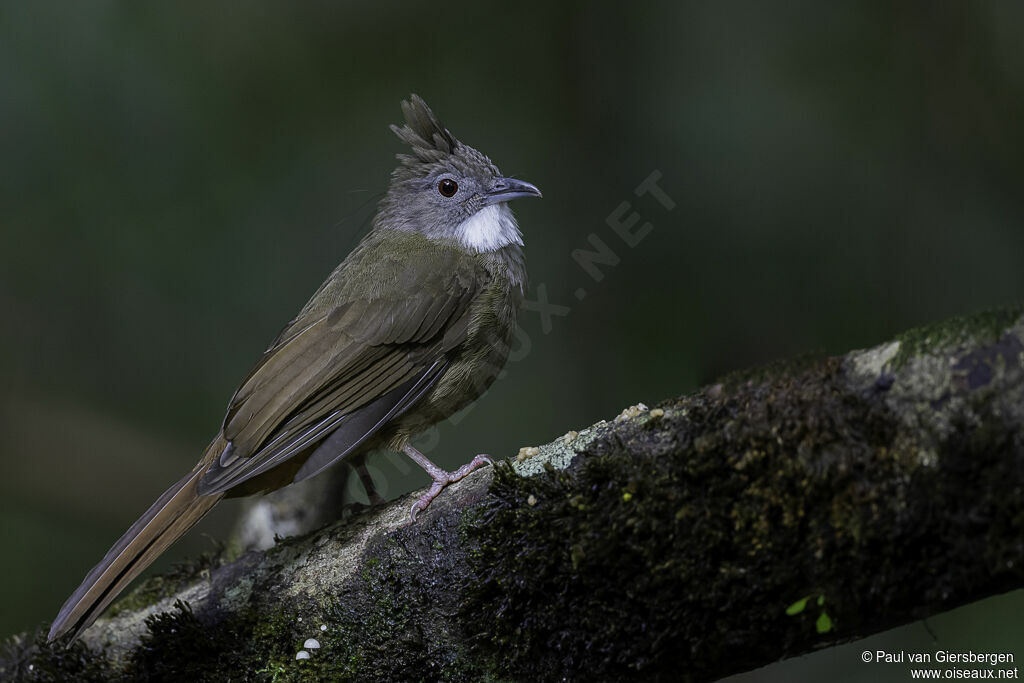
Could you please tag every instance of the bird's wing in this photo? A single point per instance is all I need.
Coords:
(343, 369)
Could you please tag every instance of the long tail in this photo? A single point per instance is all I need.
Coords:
(163, 523)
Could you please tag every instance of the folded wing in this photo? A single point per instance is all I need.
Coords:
(340, 372)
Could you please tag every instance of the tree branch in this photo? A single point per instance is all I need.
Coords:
(772, 514)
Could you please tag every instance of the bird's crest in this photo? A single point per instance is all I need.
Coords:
(432, 144)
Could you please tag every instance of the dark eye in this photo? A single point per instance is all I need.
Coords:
(448, 187)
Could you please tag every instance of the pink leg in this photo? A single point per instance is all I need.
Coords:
(441, 477)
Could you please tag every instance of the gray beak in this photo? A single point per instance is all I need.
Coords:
(505, 189)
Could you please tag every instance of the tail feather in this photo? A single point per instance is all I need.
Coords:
(174, 513)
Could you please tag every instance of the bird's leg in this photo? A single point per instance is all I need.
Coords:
(441, 477)
(367, 481)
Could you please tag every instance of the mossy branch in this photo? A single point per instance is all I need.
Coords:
(769, 515)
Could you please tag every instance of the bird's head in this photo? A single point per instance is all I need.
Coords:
(445, 189)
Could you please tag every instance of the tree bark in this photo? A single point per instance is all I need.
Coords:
(774, 513)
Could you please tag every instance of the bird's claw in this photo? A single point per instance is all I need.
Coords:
(441, 480)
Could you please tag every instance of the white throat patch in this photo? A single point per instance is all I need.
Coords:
(490, 229)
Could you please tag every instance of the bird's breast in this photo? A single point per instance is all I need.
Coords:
(476, 362)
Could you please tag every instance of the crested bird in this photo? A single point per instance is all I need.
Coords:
(413, 325)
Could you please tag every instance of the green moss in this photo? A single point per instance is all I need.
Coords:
(598, 584)
(983, 326)
(244, 646)
(806, 482)
(387, 615)
(34, 660)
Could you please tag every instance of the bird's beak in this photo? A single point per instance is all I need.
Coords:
(505, 189)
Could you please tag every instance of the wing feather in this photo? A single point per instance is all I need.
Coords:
(339, 372)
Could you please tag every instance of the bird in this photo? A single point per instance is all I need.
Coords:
(412, 326)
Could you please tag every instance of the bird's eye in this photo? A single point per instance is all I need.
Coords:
(448, 187)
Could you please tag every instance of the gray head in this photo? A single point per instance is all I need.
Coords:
(447, 189)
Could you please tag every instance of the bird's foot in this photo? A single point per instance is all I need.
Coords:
(441, 477)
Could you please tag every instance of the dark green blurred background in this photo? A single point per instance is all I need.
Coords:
(176, 180)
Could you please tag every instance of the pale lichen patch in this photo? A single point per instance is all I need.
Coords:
(559, 453)
(872, 362)
(527, 452)
(631, 412)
